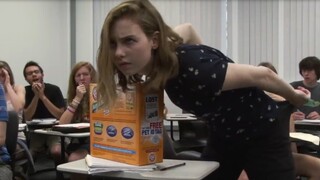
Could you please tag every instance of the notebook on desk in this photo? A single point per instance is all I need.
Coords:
(72, 128)
(183, 116)
(42, 121)
(98, 165)
(306, 137)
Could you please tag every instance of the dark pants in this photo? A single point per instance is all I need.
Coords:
(267, 156)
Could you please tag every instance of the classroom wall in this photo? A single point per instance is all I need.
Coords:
(36, 30)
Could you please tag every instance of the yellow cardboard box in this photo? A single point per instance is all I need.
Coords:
(131, 131)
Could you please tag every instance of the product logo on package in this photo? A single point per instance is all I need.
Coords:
(98, 128)
(97, 106)
(127, 132)
(152, 157)
(152, 113)
(111, 131)
(151, 128)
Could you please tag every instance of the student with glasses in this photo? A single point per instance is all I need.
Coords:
(43, 100)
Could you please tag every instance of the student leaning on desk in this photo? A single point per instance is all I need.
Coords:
(82, 74)
(244, 129)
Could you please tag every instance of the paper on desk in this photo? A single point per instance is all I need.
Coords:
(306, 137)
(98, 165)
(74, 125)
(311, 120)
(180, 117)
(43, 121)
(22, 125)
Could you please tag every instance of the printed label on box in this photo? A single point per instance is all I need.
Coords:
(131, 131)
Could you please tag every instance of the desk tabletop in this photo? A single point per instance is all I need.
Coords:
(193, 170)
(57, 133)
(312, 125)
(180, 117)
(22, 126)
(41, 123)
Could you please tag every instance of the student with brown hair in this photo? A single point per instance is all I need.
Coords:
(15, 94)
(309, 69)
(243, 125)
(82, 74)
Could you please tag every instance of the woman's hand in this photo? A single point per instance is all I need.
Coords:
(302, 95)
(81, 90)
(6, 77)
(304, 90)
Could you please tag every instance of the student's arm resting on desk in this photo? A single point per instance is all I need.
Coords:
(68, 115)
(52, 108)
(242, 76)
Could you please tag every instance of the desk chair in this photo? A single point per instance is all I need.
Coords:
(192, 135)
(170, 153)
(11, 136)
(11, 142)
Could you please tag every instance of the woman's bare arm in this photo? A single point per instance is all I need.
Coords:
(241, 76)
(188, 34)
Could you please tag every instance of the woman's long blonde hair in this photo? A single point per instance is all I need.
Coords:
(72, 88)
(165, 62)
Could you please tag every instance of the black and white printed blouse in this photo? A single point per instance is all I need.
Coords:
(238, 114)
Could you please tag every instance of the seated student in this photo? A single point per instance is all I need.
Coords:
(305, 165)
(82, 74)
(15, 94)
(15, 97)
(43, 100)
(5, 169)
(309, 69)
